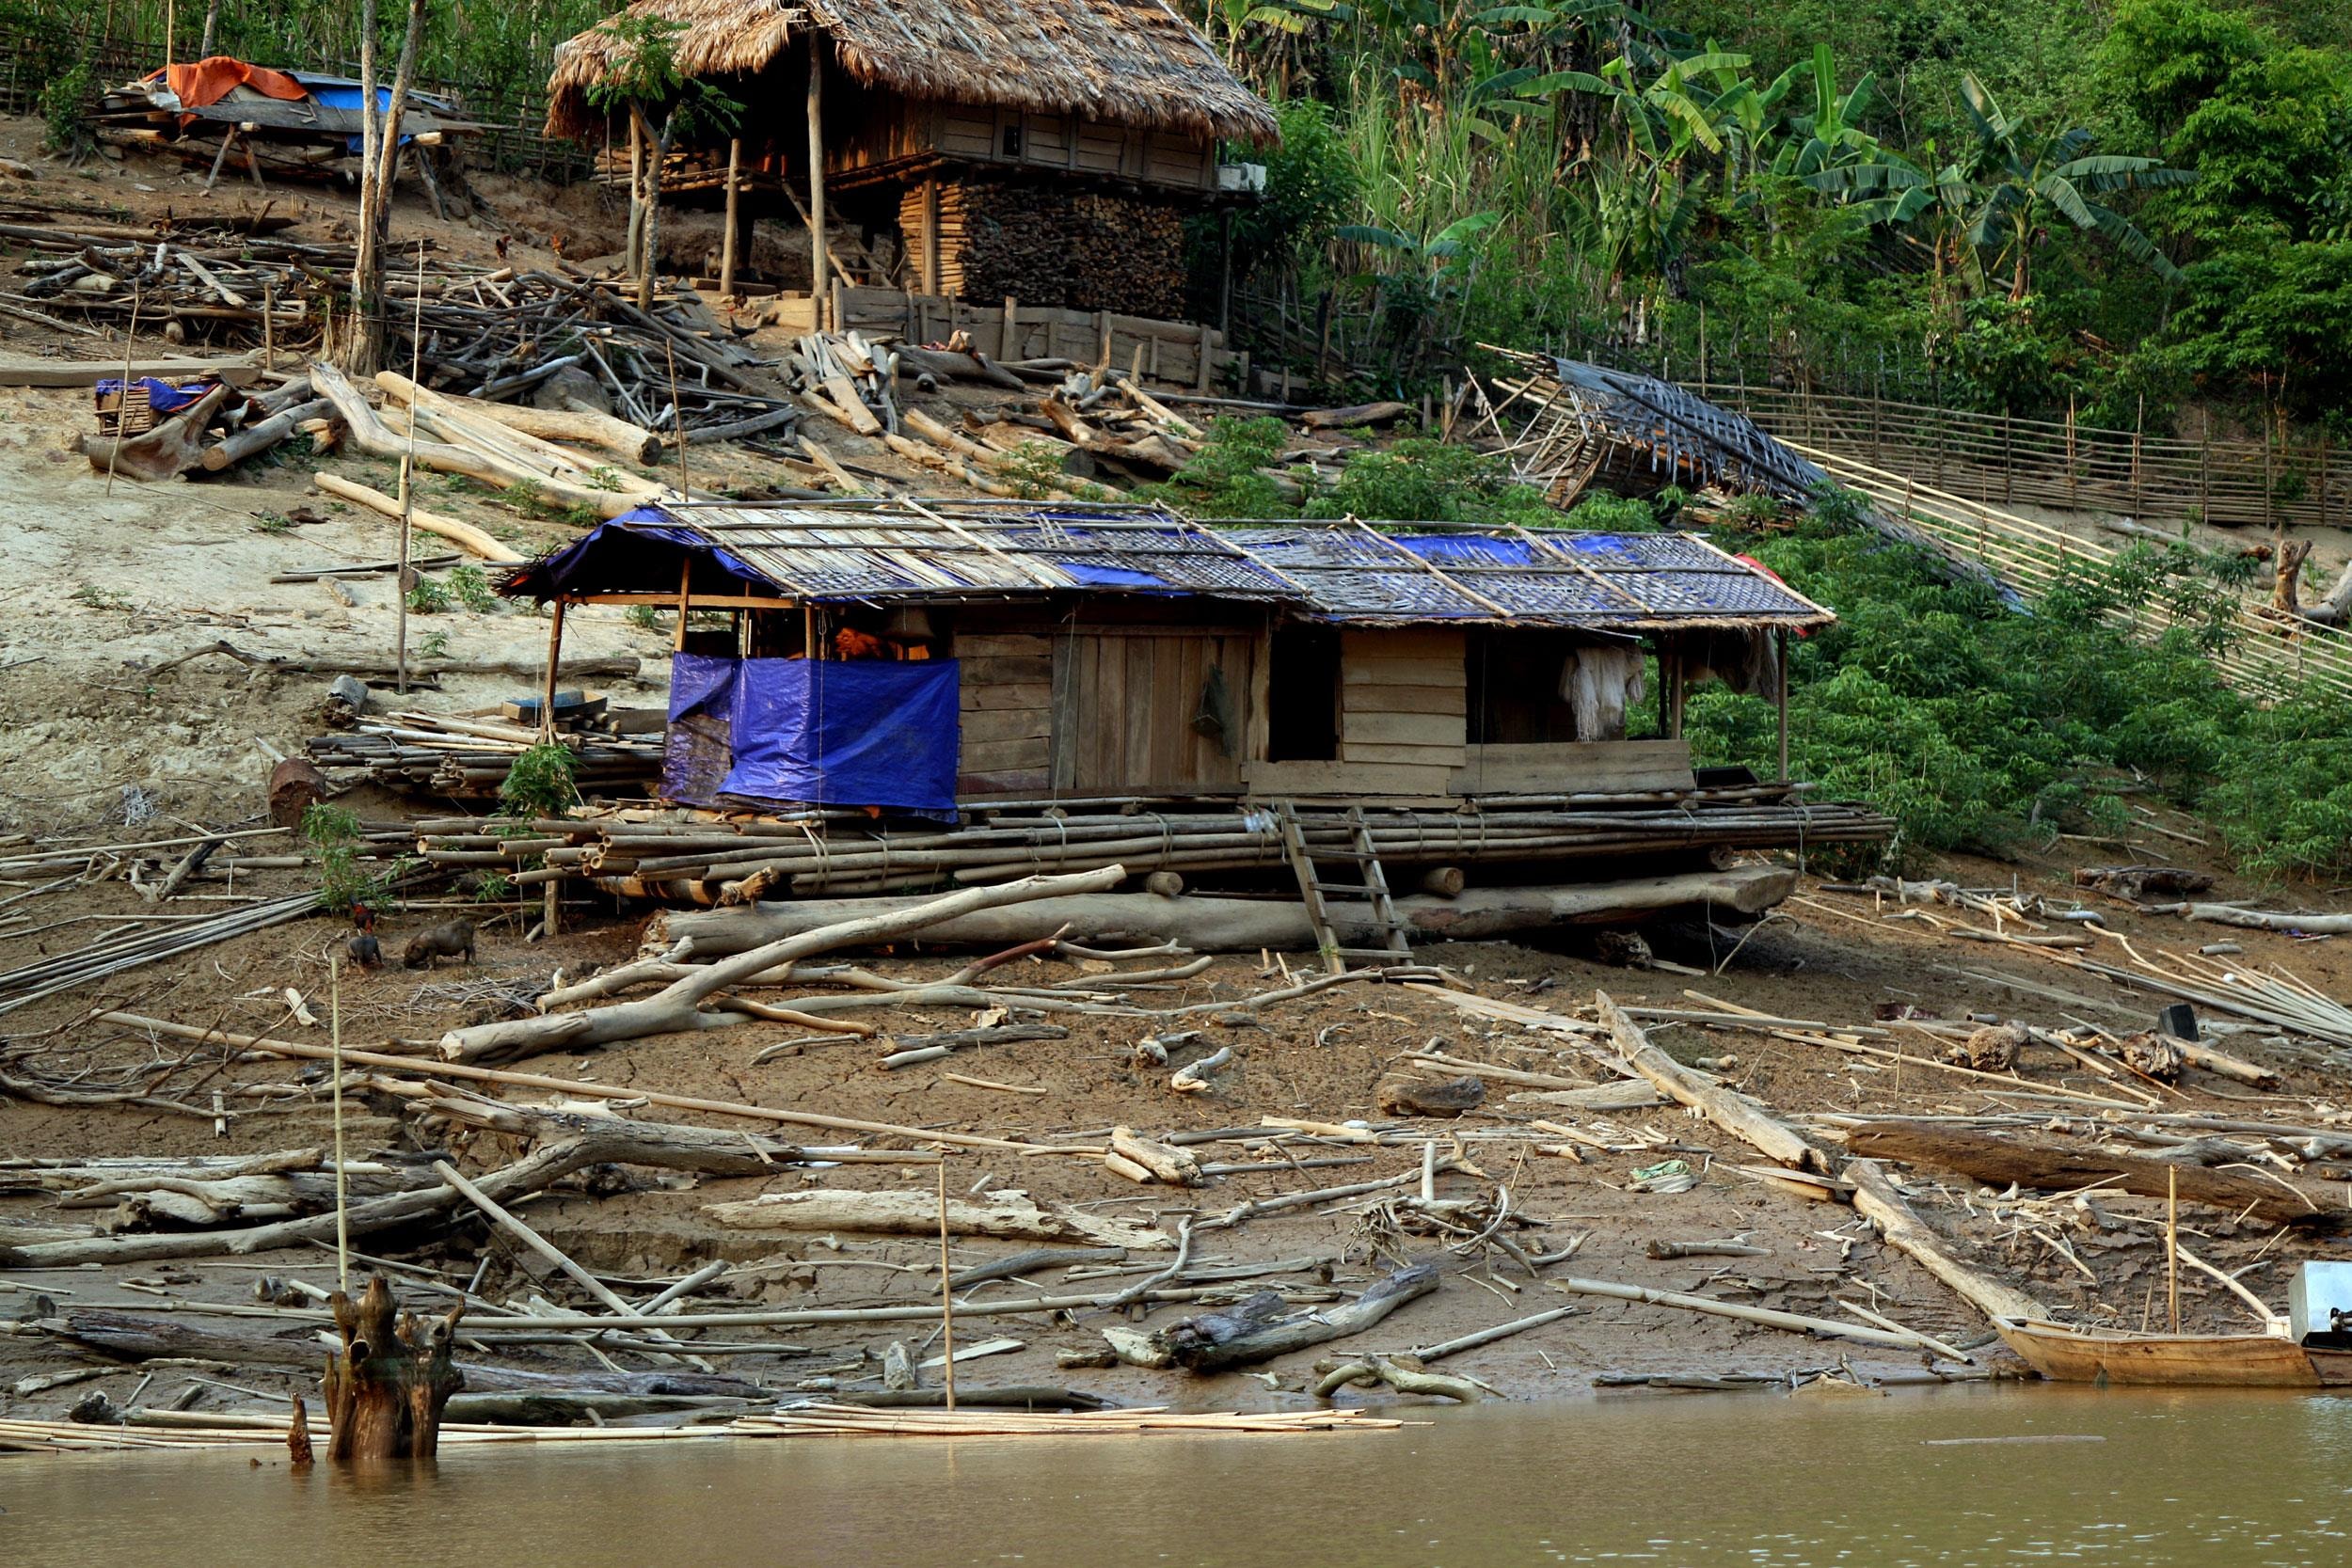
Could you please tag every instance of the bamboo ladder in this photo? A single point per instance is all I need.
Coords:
(1371, 888)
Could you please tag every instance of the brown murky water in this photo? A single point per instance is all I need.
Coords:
(1949, 1478)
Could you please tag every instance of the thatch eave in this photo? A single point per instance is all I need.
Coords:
(1121, 62)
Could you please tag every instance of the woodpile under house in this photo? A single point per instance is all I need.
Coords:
(891, 696)
(1038, 152)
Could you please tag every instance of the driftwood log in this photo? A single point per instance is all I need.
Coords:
(2050, 1166)
(1257, 1330)
(1876, 1199)
(1208, 925)
(679, 1007)
(386, 1391)
(1777, 1140)
(1006, 1213)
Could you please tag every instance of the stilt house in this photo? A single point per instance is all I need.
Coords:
(901, 694)
(1046, 150)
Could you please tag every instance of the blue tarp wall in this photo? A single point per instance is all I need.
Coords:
(821, 732)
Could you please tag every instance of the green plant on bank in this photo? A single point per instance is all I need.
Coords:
(435, 645)
(65, 102)
(604, 478)
(526, 495)
(272, 522)
(471, 589)
(645, 617)
(333, 835)
(1034, 469)
(582, 515)
(90, 594)
(429, 597)
(540, 783)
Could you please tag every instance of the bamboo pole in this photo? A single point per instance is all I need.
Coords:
(947, 1292)
(342, 1197)
(816, 178)
(726, 245)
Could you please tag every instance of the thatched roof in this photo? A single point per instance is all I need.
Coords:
(1124, 62)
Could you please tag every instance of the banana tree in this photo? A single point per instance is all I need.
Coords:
(1996, 204)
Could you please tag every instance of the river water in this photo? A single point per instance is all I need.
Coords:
(1949, 1476)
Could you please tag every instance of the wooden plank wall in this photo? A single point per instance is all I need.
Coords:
(1006, 701)
(1403, 697)
(1126, 698)
(1568, 767)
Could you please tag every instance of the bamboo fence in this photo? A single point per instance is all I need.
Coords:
(2270, 654)
(2004, 461)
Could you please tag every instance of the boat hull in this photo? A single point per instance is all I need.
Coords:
(2173, 1360)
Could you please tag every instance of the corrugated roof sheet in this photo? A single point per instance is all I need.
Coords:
(1392, 572)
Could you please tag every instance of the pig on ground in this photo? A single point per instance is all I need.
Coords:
(443, 942)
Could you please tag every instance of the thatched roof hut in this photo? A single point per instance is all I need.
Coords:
(1120, 62)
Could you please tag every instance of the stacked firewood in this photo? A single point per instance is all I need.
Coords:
(462, 759)
(1090, 250)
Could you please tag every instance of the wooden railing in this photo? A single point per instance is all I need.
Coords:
(2268, 654)
(1999, 460)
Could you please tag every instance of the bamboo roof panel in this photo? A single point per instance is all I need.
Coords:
(1342, 572)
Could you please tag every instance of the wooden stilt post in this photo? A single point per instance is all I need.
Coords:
(726, 245)
(946, 1295)
(1780, 699)
(817, 177)
(555, 660)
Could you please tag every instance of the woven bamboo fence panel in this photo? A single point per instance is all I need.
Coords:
(2271, 655)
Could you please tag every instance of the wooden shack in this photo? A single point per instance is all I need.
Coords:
(909, 693)
(1044, 150)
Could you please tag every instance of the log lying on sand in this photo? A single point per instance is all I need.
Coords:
(1876, 1199)
(679, 1007)
(1209, 925)
(603, 1143)
(1006, 1213)
(2051, 1166)
(1257, 1331)
(1727, 1110)
(479, 541)
(586, 427)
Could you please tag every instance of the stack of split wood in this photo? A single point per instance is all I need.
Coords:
(468, 759)
(708, 859)
(1090, 250)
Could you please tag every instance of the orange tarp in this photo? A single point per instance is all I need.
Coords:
(209, 81)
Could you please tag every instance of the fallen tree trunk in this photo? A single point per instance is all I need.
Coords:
(1255, 1330)
(679, 1007)
(1006, 1213)
(234, 450)
(1209, 925)
(586, 427)
(2258, 920)
(1876, 1199)
(603, 1143)
(2050, 1166)
(476, 541)
(1777, 1140)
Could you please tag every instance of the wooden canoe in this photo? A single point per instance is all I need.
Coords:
(2177, 1360)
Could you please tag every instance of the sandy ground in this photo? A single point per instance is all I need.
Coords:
(1828, 958)
(111, 585)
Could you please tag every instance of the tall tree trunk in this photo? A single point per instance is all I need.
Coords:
(211, 19)
(379, 160)
(633, 254)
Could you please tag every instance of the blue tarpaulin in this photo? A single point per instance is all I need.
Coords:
(162, 396)
(823, 732)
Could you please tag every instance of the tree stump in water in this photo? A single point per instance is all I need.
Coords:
(385, 1392)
